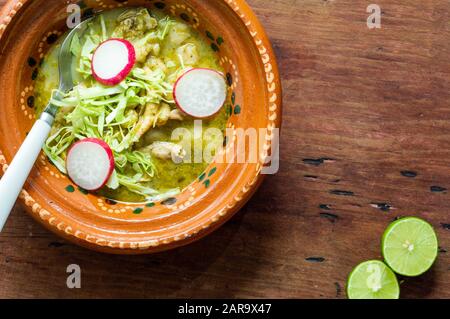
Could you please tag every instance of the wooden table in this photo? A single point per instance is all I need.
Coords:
(366, 139)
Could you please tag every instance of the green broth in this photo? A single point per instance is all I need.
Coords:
(168, 175)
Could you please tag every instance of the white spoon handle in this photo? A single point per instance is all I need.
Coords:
(15, 176)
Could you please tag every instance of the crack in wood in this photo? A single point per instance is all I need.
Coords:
(338, 289)
(409, 174)
(56, 244)
(315, 259)
(437, 189)
(385, 207)
(317, 161)
(330, 216)
(341, 192)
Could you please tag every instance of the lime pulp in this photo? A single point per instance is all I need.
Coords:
(372, 280)
(410, 246)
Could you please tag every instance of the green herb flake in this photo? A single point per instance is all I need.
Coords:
(83, 191)
(212, 171)
(210, 35)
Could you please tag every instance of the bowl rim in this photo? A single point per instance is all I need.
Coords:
(267, 58)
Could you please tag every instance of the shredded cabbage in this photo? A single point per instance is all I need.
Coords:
(109, 113)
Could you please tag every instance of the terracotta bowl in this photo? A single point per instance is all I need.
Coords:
(27, 30)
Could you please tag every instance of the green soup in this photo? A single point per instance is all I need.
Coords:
(165, 48)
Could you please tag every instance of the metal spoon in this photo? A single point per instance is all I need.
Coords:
(15, 176)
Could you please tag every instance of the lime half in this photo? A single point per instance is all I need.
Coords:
(409, 246)
(372, 280)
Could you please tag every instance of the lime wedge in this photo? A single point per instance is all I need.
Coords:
(409, 246)
(372, 280)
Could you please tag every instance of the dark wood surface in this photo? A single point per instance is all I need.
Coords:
(366, 139)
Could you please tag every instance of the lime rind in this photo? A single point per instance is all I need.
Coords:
(410, 246)
(372, 280)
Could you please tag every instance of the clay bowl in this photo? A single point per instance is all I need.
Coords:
(29, 27)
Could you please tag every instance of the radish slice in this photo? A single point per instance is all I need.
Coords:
(90, 163)
(112, 61)
(200, 93)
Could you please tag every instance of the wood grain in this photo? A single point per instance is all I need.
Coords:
(365, 140)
